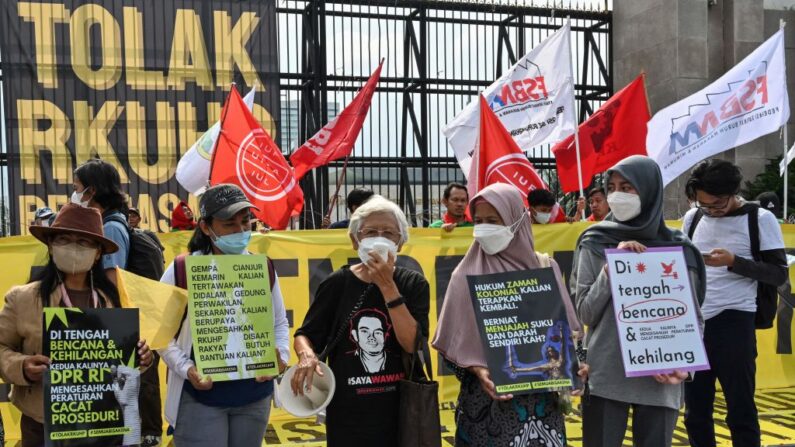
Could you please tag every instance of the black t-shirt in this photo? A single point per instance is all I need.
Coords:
(367, 362)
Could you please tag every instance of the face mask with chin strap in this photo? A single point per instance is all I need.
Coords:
(495, 238)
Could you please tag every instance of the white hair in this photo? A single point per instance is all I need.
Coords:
(378, 204)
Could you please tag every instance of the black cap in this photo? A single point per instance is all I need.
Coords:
(223, 201)
(769, 201)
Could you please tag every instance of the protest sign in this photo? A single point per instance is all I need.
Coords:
(655, 312)
(231, 317)
(524, 330)
(91, 387)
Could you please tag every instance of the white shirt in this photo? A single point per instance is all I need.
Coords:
(725, 289)
(177, 354)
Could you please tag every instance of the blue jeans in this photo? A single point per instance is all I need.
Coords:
(200, 425)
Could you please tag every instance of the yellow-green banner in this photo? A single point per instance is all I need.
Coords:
(304, 258)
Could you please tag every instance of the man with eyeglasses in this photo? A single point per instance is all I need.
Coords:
(743, 249)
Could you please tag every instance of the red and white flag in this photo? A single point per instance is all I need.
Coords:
(247, 156)
(335, 140)
(611, 134)
(498, 158)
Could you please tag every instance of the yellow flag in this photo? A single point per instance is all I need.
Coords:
(160, 306)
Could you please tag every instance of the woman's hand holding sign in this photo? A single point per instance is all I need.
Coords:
(488, 386)
(34, 367)
(674, 378)
(197, 381)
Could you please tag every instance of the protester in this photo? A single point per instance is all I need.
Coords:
(42, 216)
(134, 219)
(182, 218)
(769, 201)
(635, 195)
(503, 243)
(455, 200)
(223, 414)
(355, 199)
(392, 302)
(597, 201)
(735, 272)
(97, 185)
(544, 209)
(73, 277)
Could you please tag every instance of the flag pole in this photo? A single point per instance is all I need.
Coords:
(786, 173)
(340, 181)
(576, 121)
(782, 24)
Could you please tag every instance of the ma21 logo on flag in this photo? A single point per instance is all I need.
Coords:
(261, 169)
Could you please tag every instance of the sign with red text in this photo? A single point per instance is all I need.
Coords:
(655, 312)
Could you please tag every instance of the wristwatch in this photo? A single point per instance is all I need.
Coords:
(399, 301)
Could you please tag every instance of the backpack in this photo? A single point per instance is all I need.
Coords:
(144, 257)
(766, 294)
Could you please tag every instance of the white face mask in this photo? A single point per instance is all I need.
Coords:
(73, 258)
(495, 238)
(380, 245)
(625, 206)
(542, 218)
(77, 199)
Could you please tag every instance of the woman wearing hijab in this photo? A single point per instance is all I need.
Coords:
(73, 277)
(503, 243)
(635, 196)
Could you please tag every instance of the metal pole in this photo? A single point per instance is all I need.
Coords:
(786, 173)
(576, 121)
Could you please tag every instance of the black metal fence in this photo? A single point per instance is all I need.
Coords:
(438, 56)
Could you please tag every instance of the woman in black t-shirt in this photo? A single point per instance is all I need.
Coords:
(367, 361)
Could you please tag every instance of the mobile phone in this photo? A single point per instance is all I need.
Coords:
(706, 254)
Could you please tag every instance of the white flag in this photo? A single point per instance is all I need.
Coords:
(788, 160)
(193, 169)
(747, 102)
(533, 101)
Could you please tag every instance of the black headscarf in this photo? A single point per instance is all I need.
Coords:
(648, 227)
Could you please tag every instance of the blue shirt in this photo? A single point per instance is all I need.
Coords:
(118, 233)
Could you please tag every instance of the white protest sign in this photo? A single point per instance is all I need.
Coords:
(655, 312)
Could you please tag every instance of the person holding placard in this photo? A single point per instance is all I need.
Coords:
(503, 243)
(635, 196)
(73, 277)
(233, 413)
(366, 317)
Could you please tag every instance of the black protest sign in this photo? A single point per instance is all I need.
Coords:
(91, 389)
(524, 330)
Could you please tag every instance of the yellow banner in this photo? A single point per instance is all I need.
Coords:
(304, 258)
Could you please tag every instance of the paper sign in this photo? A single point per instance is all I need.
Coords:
(655, 312)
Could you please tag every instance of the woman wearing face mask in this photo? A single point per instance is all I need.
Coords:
(73, 277)
(97, 185)
(503, 243)
(224, 414)
(392, 303)
(635, 196)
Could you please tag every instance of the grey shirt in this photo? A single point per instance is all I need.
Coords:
(595, 309)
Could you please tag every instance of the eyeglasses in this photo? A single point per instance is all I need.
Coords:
(715, 206)
(63, 239)
(373, 232)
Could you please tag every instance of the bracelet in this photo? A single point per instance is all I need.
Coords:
(399, 301)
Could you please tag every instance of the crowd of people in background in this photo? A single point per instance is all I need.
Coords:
(733, 247)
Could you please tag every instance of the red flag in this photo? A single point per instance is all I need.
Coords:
(498, 158)
(245, 155)
(335, 140)
(611, 134)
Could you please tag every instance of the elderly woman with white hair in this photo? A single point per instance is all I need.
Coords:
(368, 313)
